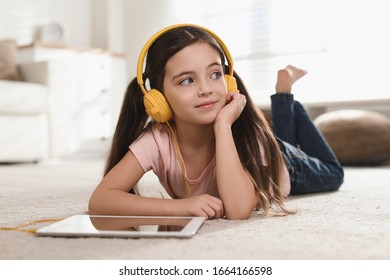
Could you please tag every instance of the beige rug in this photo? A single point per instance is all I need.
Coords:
(353, 223)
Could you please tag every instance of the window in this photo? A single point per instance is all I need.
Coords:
(341, 43)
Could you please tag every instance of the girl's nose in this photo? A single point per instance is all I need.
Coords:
(204, 88)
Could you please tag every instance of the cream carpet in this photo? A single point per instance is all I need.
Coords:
(353, 223)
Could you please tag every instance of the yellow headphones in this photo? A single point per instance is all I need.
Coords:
(155, 103)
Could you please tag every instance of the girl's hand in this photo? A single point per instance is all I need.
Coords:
(232, 110)
(203, 205)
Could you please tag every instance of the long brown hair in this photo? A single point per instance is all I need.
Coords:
(250, 128)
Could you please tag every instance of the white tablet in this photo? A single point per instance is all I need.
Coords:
(124, 226)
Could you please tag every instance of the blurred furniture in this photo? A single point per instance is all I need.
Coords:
(97, 84)
(28, 112)
(65, 97)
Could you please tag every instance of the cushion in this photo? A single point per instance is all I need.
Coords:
(22, 98)
(8, 60)
(357, 137)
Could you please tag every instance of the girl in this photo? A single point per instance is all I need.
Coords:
(217, 156)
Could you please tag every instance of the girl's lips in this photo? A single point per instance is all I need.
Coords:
(206, 105)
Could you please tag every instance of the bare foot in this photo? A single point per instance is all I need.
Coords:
(287, 77)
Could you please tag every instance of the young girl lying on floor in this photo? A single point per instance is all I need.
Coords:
(210, 146)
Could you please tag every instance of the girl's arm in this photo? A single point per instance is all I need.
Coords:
(112, 197)
(234, 184)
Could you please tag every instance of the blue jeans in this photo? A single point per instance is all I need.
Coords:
(312, 165)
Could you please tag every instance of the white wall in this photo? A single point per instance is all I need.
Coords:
(19, 17)
(143, 18)
(108, 24)
(116, 25)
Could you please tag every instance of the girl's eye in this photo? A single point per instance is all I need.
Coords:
(186, 82)
(216, 75)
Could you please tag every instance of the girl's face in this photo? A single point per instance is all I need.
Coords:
(194, 84)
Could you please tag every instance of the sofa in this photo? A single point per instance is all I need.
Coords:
(33, 113)
(55, 99)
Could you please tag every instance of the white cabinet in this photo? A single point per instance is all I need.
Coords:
(90, 108)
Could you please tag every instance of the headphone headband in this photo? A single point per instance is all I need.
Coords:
(145, 49)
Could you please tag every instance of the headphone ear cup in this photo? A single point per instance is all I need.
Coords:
(231, 83)
(157, 106)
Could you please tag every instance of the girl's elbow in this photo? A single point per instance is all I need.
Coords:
(94, 206)
(239, 214)
(243, 211)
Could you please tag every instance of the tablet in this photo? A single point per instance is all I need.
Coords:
(124, 226)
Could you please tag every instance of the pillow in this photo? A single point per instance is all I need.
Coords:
(8, 60)
(357, 137)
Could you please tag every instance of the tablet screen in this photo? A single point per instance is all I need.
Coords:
(124, 226)
(139, 223)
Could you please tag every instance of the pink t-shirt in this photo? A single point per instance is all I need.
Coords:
(155, 150)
